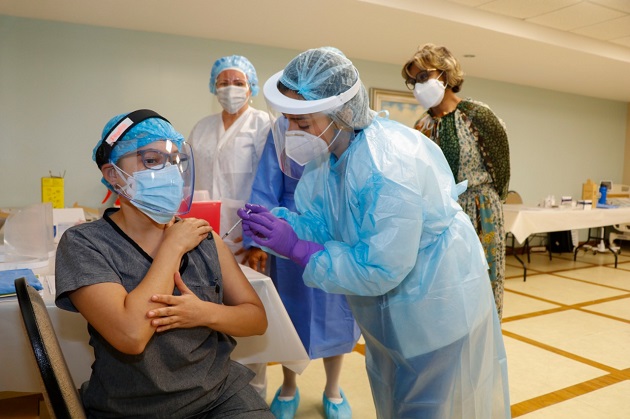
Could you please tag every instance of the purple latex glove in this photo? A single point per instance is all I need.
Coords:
(267, 230)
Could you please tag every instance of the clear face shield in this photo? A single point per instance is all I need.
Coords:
(159, 178)
(303, 130)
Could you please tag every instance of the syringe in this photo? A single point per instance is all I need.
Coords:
(234, 226)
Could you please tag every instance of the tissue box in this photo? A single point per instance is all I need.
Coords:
(585, 204)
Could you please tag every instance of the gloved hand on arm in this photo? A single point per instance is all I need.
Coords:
(267, 230)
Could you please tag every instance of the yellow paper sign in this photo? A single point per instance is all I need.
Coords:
(52, 191)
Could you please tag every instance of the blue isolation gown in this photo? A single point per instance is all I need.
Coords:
(323, 321)
(399, 246)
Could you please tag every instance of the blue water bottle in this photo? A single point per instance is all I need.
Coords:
(603, 190)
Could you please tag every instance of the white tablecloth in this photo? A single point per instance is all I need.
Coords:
(18, 371)
(523, 221)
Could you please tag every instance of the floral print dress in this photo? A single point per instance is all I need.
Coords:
(474, 142)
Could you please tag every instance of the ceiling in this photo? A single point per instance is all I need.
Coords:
(573, 46)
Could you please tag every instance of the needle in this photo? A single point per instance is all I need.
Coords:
(234, 226)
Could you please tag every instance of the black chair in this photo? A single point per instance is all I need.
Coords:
(61, 395)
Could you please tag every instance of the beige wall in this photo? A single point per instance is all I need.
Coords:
(60, 83)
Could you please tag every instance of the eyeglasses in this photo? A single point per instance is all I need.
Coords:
(156, 160)
(225, 83)
(421, 77)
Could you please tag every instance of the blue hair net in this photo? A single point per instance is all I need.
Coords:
(333, 49)
(238, 62)
(324, 72)
(146, 132)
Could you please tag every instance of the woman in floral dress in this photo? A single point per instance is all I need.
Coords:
(474, 141)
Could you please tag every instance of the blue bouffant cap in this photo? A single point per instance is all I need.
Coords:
(236, 62)
(325, 72)
(153, 128)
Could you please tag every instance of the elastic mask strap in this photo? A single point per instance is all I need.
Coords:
(339, 131)
(445, 82)
(326, 129)
(119, 130)
(129, 190)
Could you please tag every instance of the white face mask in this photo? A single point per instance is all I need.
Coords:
(302, 147)
(430, 93)
(232, 98)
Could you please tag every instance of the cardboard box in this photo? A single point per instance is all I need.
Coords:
(15, 404)
(590, 190)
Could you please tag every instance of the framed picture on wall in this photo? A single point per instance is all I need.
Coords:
(401, 105)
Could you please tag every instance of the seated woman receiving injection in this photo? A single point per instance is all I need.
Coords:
(162, 296)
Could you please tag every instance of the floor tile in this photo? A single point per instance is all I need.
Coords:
(617, 308)
(516, 305)
(513, 271)
(561, 290)
(623, 266)
(603, 275)
(311, 382)
(534, 371)
(595, 338)
(513, 262)
(610, 402)
(541, 262)
(597, 258)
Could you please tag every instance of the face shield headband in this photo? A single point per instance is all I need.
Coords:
(118, 131)
(279, 104)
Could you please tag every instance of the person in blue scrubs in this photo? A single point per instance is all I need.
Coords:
(377, 219)
(323, 321)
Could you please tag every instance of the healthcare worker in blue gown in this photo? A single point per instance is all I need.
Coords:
(378, 220)
(323, 321)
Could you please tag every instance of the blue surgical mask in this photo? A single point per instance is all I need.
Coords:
(157, 193)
